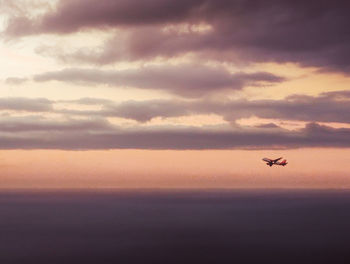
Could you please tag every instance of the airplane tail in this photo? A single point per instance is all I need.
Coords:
(283, 163)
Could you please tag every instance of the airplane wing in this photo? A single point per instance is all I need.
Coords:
(277, 159)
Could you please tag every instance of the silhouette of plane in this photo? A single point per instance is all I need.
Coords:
(271, 162)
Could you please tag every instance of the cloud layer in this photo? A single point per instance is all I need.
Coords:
(328, 107)
(185, 80)
(25, 104)
(313, 135)
(312, 33)
(196, 51)
(89, 129)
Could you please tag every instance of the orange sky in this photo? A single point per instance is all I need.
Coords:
(307, 168)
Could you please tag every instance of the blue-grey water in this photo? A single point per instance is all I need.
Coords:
(189, 226)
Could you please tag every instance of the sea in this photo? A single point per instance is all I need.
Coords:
(174, 226)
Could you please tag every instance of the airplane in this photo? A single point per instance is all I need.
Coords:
(271, 162)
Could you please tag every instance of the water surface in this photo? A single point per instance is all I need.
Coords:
(175, 226)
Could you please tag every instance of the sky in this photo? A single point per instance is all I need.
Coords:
(163, 93)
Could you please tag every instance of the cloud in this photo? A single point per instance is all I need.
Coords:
(74, 15)
(327, 107)
(258, 31)
(39, 124)
(312, 33)
(313, 135)
(15, 81)
(89, 129)
(26, 104)
(323, 108)
(188, 80)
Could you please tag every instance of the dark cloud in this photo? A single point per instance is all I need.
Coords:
(94, 132)
(313, 135)
(324, 108)
(312, 33)
(189, 80)
(34, 123)
(340, 95)
(25, 104)
(82, 129)
(73, 15)
(328, 107)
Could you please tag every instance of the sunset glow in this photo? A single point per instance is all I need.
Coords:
(148, 94)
